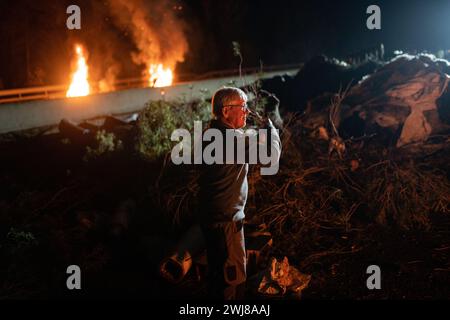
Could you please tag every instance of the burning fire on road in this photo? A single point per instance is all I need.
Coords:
(158, 76)
(79, 85)
(158, 39)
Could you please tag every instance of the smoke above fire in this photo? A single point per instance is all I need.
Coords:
(155, 29)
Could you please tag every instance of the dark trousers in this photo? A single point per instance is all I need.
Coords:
(225, 247)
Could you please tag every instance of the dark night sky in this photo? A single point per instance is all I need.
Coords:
(34, 37)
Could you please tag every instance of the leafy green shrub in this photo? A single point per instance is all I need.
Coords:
(106, 142)
(160, 118)
(18, 240)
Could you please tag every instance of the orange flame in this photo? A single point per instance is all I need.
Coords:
(79, 85)
(160, 77)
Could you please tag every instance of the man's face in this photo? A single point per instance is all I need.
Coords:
(234, 113)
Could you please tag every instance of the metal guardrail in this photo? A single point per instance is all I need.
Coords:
(36, 93)
(59, 91)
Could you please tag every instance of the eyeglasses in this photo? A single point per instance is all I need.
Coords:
(243, 106)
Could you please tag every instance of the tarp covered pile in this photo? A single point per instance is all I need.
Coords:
(401, 97)
(403, 101)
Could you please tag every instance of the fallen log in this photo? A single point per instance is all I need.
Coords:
(111, 123)
(75, 133)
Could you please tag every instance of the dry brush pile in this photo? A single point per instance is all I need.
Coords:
(315, 194)
(319, 197)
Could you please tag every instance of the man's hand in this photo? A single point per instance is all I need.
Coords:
(261, 121)
(265, 123)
